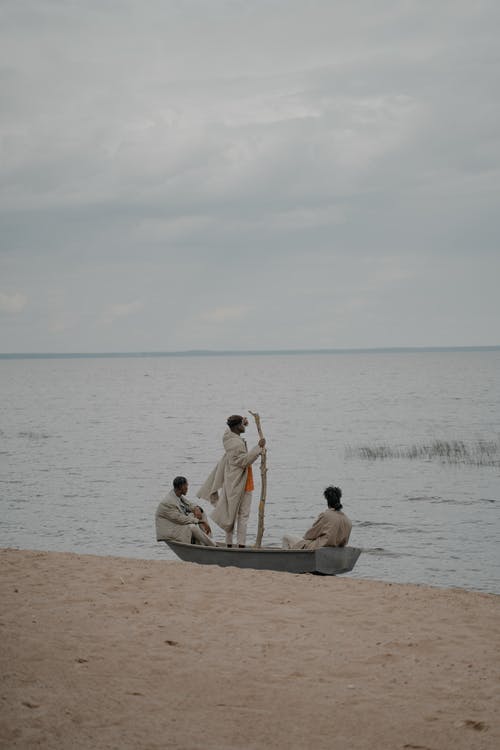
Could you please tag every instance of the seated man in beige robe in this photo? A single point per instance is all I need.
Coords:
(179, 520)
(332, 528)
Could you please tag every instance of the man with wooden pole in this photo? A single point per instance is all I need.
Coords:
(229, 486)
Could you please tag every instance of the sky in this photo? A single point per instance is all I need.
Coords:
(226, 174)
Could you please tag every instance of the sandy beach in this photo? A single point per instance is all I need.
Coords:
(106, 652)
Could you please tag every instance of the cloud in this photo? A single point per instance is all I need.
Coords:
(224, 314)
(12, 303)
(122, 310)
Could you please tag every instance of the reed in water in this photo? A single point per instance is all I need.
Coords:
(478, 453)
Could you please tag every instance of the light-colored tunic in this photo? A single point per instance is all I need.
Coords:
(225, 486)
(172, 522)
(332, 528)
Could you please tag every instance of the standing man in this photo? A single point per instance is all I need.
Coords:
(178, 519)
(233, 477)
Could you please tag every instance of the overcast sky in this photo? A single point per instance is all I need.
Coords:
(248, 174)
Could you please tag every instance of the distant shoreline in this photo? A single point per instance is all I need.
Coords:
(244, 353)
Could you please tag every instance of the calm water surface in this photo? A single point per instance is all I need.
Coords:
(89, 446)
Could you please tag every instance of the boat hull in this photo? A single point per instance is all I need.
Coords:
(324, 561)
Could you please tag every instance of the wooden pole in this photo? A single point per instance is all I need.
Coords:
(263, 485)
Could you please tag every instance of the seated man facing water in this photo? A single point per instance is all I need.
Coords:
(332, 528)
(179, 520)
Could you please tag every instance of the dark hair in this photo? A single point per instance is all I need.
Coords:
(332, 496)
(179, 482)
(234, 419)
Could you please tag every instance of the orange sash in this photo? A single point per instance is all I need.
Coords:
(249, 487)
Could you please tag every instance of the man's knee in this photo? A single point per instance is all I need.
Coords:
(246, 505)
(200, 536)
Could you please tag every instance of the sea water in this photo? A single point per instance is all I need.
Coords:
(89, 446)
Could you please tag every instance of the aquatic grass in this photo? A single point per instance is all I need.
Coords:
(478, 453)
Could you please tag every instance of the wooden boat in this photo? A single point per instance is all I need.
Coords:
(329, 561)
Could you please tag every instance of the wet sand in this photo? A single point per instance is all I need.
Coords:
(106, 652)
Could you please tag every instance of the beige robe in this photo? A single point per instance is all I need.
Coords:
(171, 522)
(332, 528)
(225, 486)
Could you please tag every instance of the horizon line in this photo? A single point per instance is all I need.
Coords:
(243, 352)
